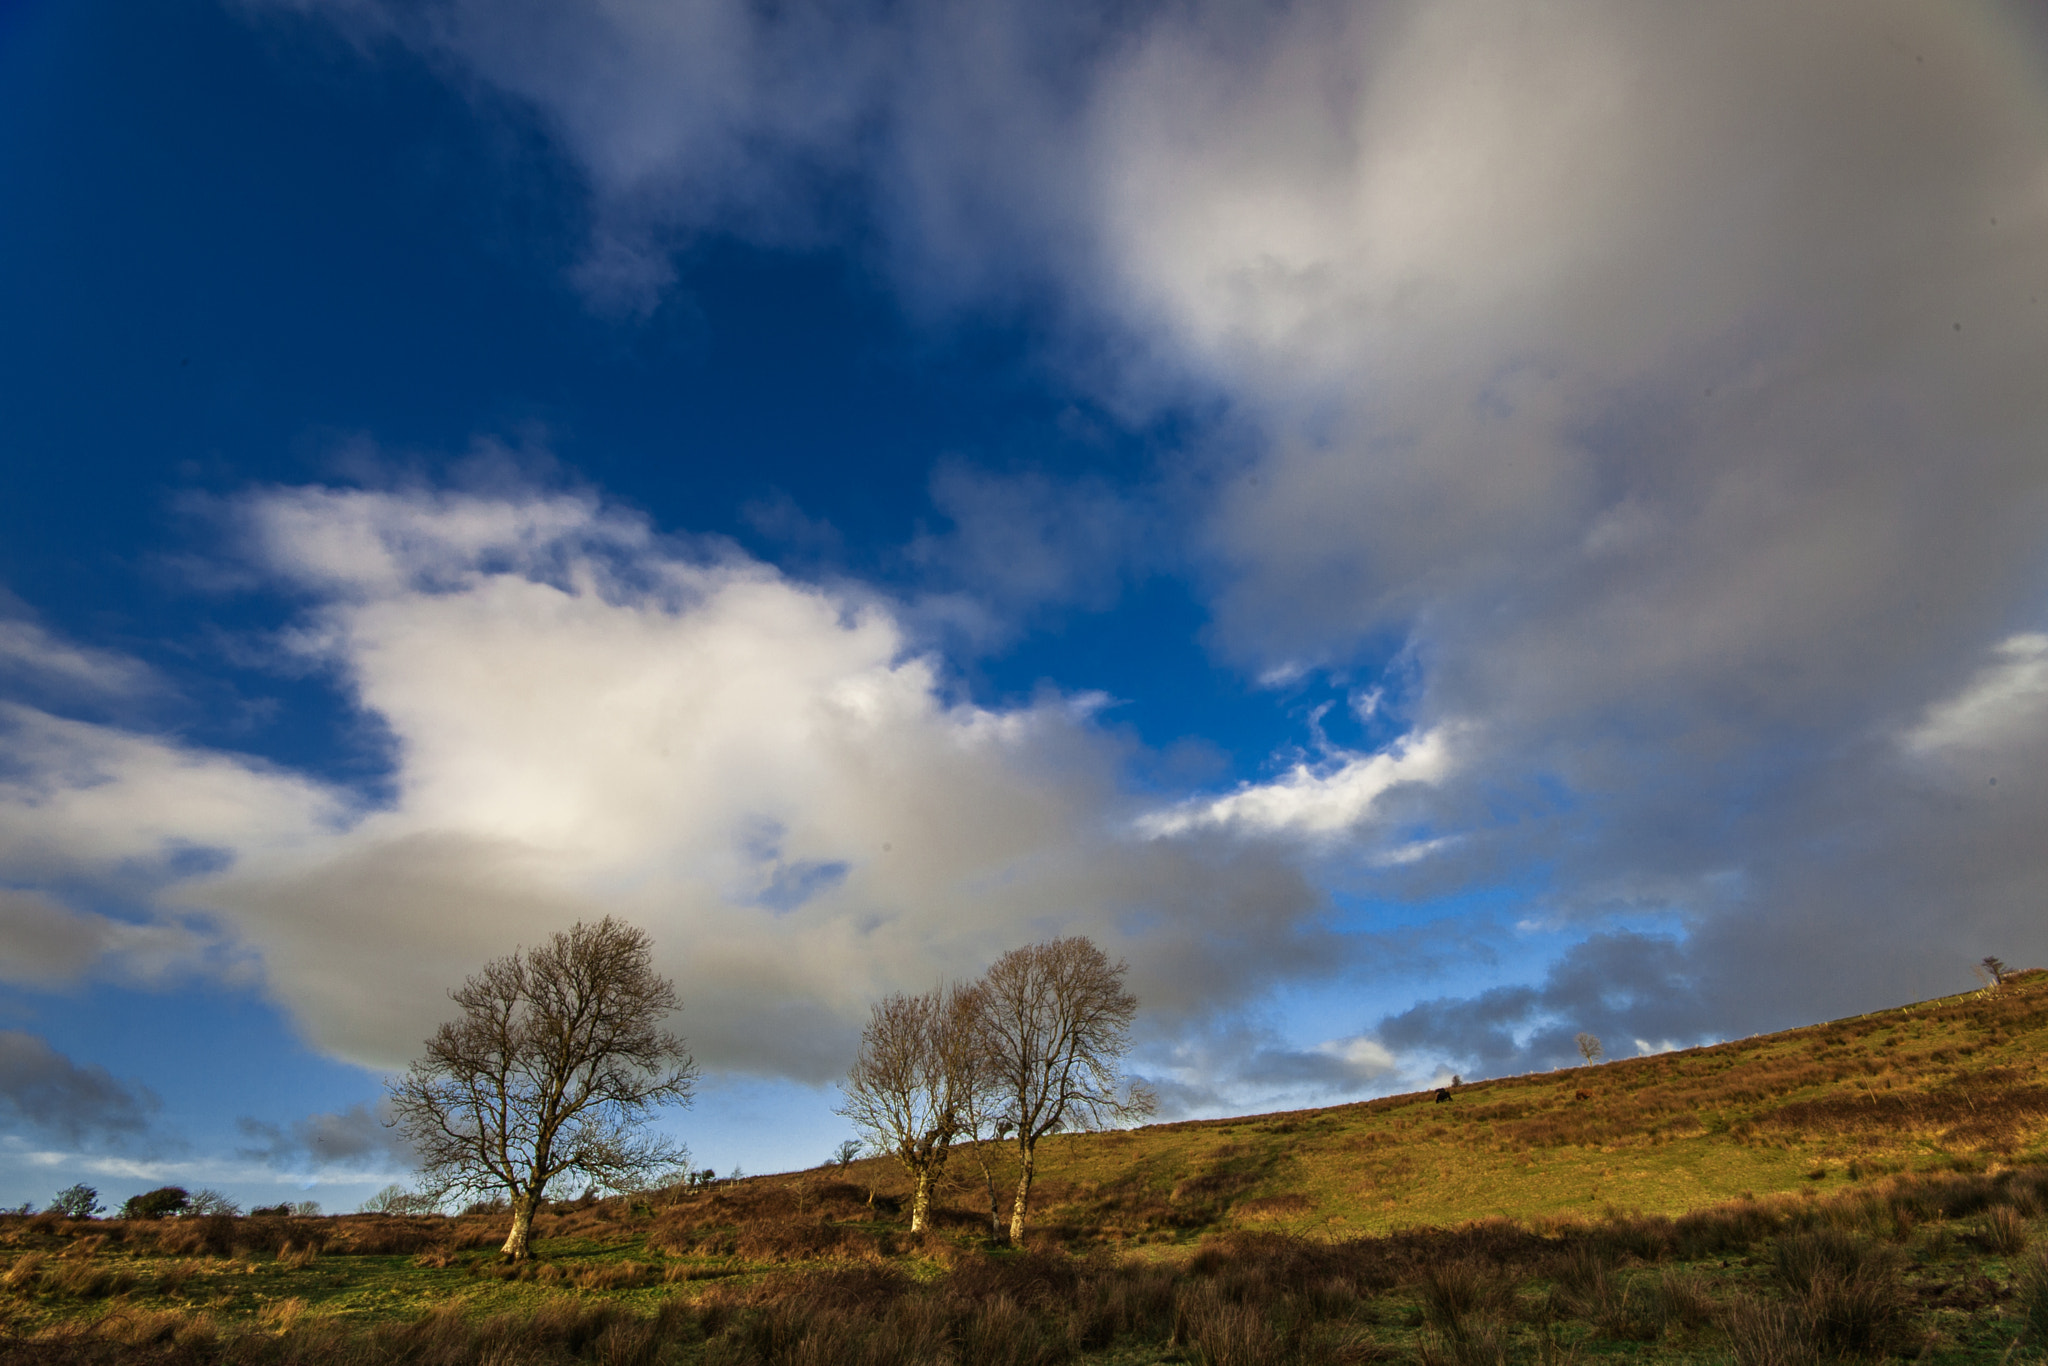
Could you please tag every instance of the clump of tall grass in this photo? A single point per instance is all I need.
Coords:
(1586, 1286)
(2030, 1290)
(1763, 1333)
(21, 1275)
(90, 1280)
(1682, 1301)
(173, 1277)
(1846, 1292)
(2003, 1230)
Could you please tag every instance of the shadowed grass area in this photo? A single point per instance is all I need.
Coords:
(1942, 1268)
(1862, 1190)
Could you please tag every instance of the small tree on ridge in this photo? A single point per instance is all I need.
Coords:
(1054, 1025)
(909, 1084)
(77, 1202)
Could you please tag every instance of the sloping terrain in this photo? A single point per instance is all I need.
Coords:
(1953, 1083)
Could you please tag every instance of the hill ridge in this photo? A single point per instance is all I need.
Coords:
(1952, 1082)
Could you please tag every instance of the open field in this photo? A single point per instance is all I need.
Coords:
(1868, 1188)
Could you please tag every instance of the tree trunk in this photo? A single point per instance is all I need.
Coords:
(516, 1242)
(921, 1201)
(995, 1206)
(1024, 1162)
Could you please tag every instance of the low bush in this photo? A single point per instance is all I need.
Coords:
(156, 1204)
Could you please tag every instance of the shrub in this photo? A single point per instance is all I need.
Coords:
(77, 1202)
(157, 1203)
(385, 1237)
(787, 1240)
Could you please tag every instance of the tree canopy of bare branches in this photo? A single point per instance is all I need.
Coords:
(909, 1086)
(558, 1058)
(1054, 1024)
(1590, 1048)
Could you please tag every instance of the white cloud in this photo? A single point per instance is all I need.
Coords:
(1232, 1067)
(1367, 1059)
(82, 798)
(1317, 801)
(2006, 703)
(584, 719)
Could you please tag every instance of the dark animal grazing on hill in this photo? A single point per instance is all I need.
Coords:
(1583, 1095)
(1442, 1096)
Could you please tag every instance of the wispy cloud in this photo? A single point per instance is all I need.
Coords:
(30, 652)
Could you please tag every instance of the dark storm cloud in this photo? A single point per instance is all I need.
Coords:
(48, 1094)
(362, 1136)
(1624, 988)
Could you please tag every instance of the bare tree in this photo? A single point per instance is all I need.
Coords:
(907, 1090)
(846, 1153)
(1055, 1024)
(986, 1124)
(395, 1199)
(558, 1057)
(210, 1201)
(1589, 1047)
(1992, 972)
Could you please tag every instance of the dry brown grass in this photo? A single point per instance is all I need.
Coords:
(1838, 1285)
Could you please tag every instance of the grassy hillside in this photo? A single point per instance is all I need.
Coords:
(1951, 1083)
(1866, 1189)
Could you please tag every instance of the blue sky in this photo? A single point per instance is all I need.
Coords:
(1421, 533)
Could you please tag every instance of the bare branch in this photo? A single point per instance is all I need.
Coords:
(910, 1086)
(559, 1055)
(1055, 1024)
